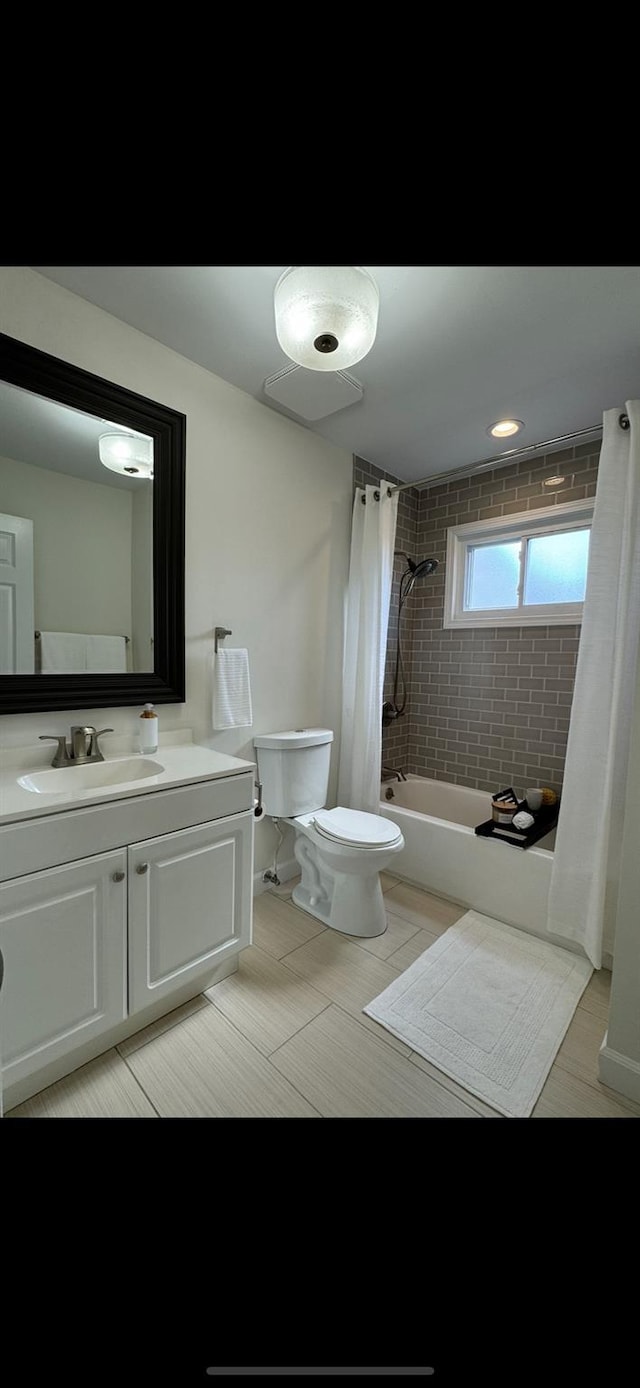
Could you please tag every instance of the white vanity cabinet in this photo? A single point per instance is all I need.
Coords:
(63, 934)
(189, 907)
(139, 904)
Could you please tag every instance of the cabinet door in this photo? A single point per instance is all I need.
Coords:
(190, 900)
(63, 937)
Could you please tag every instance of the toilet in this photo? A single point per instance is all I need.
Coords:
(341, 852)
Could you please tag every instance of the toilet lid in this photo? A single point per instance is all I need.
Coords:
(357, 828)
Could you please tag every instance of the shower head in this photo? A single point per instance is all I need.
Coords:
(421, 569)
(424, 568)
(410, 577)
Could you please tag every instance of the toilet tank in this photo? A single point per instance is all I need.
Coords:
(294, 770)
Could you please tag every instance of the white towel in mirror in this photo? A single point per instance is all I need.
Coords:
(231, 705)
(62, 652)
(66, 652)
(106, 655)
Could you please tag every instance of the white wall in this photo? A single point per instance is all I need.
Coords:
(81, 547)
(267, 532)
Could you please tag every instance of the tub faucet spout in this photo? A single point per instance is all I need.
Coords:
(388, 772)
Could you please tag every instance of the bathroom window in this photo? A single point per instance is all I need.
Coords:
(528, 569)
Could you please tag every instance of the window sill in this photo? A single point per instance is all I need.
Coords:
(515, 619)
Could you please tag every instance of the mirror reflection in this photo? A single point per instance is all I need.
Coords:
(76, 540)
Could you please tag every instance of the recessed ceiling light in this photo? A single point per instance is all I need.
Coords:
(504, 428)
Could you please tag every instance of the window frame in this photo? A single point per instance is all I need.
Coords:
(521, 525)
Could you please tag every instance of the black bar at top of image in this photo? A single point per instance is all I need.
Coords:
(328, 1372)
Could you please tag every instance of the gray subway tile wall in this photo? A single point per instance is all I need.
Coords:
(490, 707)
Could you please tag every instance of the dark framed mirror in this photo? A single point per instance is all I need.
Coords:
(92, 527)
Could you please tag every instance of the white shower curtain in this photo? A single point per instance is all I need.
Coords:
(366, 622)
(584, 876)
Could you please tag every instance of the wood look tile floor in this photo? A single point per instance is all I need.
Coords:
(285, 1036)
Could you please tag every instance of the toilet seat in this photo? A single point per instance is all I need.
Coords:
(356, 829)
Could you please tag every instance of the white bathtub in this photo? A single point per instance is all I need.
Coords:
(443, 855)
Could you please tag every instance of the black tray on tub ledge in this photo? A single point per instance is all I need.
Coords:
(544, 820)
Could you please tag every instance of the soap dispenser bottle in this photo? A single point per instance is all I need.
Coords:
(148, 729)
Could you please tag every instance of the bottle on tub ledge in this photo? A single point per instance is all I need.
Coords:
(148, 729)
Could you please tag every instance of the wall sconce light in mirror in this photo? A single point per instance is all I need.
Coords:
(127, 453)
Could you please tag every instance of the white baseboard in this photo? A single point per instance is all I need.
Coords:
(287, 869)
(620, 1072)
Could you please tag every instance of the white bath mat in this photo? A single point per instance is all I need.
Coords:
(488, 1005)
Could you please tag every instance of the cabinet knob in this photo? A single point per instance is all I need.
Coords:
(142, 867)
(118, 877)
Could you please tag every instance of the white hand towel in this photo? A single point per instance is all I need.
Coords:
(106, 654)
(231, 705)
(62, 652)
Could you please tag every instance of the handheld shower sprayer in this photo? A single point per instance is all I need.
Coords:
(416, 569)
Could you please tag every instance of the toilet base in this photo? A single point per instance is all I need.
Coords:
(347, 902)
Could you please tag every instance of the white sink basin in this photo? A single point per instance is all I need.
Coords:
(95, 774)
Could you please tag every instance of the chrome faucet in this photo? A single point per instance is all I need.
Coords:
(82, 748)
(82, 743)
(390, 771)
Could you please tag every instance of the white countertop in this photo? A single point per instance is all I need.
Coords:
(182, 765)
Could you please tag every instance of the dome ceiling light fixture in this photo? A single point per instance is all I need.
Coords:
(130, 454)
(326, 315)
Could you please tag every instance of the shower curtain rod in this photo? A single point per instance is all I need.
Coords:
(501, 459)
